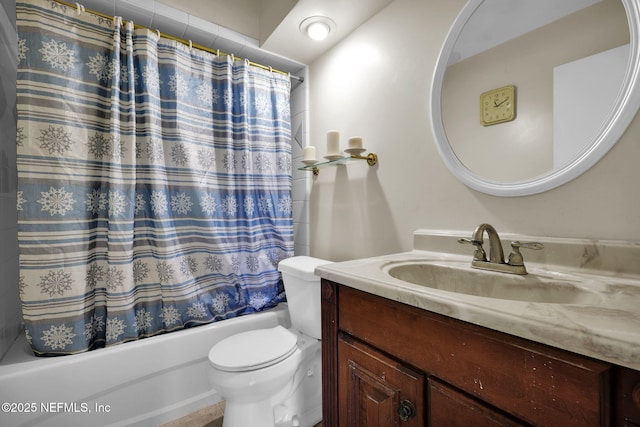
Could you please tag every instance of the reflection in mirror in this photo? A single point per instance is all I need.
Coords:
(559, 62)
(574, 65)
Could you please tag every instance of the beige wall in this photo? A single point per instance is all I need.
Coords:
(376, 84)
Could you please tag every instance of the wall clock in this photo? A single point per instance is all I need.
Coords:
(498, 105)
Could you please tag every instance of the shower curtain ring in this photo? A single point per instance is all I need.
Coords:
(158, 31)
(190, 45)
(80, 8)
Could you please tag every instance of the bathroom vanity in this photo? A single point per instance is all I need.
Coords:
(402, 353)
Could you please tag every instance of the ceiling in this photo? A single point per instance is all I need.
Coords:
(515, 18)
(275, 23)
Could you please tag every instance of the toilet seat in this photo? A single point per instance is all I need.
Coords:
(255, 349)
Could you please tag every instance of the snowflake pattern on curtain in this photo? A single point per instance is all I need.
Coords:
(154, 185)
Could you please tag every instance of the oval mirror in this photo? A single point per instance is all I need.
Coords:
(573, 68)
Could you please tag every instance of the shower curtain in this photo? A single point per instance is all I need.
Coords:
(154, 182)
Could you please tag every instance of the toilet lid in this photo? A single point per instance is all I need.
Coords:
(253, 349)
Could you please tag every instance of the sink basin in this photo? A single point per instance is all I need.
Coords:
(458, 277)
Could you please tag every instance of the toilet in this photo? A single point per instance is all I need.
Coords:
(272, 377)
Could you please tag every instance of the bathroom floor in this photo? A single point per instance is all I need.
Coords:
(210, 416)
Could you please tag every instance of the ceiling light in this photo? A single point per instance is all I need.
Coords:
(317, 27)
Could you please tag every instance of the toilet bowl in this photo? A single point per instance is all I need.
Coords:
(272, 377)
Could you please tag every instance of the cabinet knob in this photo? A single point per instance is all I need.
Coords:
(406, 410)
(635, 395)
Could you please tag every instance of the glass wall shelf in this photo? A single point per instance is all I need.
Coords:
(371, 158)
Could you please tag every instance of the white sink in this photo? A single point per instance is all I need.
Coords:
(458, 277)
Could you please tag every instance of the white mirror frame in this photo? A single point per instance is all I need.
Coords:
(624, 110)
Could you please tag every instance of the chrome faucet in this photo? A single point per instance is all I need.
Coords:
(496, 262)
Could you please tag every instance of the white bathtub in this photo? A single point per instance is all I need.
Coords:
(142, 383)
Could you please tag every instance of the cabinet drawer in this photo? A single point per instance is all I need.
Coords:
(451, 408)
(538, 384)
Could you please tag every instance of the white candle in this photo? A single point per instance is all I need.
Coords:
(333, 142)
(309, 153)
(355, 142)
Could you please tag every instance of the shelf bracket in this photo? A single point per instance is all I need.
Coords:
(371, 158)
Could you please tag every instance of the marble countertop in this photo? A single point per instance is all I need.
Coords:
(606, 328)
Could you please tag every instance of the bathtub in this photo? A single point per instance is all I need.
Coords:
(141, 383)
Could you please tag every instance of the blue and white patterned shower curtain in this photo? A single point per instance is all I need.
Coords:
(154, 182)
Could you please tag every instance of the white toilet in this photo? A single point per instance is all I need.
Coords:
(272, 377)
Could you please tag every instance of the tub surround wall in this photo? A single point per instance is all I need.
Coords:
(9, 302)
(376, 83)
(301, 180)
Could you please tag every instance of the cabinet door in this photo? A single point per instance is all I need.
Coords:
(375, 390)
(452, 408)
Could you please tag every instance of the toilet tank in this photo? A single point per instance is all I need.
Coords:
(302, 287)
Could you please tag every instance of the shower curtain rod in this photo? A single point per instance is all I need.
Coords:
(183, 41)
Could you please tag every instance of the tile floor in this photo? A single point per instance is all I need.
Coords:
(210, 416)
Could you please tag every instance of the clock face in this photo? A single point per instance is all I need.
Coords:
(498, 106)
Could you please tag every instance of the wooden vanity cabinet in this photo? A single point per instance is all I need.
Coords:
(390, 364)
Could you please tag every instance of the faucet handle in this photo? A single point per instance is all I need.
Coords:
(515, 258)
(527, 245)
(479, 254)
